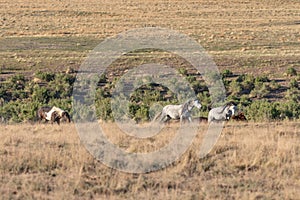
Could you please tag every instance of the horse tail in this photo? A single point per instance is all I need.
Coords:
(38, 114)
(157, 116)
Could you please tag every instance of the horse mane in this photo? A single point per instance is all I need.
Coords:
(225, 106)
(186, 104)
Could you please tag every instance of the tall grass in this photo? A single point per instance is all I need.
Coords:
(250, 161)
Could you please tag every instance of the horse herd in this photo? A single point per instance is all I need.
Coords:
(181, 112)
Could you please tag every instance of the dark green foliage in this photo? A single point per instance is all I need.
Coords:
(18, 111)
(45, 76)
(290, 110)
(21, 97)
(41, 94)
(227, 73)
(262, 110)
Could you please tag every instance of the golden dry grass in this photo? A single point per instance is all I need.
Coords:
(250, 161)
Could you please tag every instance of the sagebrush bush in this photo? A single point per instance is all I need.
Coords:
(226, 73)
(20, 97)
(291, 71)
(262, 110)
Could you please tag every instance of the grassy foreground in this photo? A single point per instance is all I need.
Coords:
(250, 161)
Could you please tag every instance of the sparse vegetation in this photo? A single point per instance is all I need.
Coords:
(244, 90)
(291, 72)
(255, 46)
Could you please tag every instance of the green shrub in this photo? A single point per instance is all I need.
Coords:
(45, 76)
(262, 79)
(104, 110)
(142, 113)
(262, 110)
(205, 100)
(182, 70)
(41, 94)
(19, 111)
(260, 90)
(199, 86)
(274, 85)
(291, 71)
(244, 101)
(246, 83)
(191, 79)
(235, 88)
(289, 110)
(226, 73)
(293, 83)
(21, 98)
(292, 94)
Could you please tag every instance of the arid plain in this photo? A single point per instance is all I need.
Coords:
(251, 160)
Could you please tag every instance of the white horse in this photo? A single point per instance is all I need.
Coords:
(181, 112)
(221, 113)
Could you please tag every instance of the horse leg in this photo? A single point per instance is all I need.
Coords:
(181, 117)
(162, 117)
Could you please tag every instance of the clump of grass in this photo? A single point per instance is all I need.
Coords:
(291, 71)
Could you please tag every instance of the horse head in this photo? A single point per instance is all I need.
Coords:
(197, 104)
(191, 103)
(65, 115)
(233, 108)
(41, 112)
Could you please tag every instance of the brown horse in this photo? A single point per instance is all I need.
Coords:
(56, 114)
(239, 117)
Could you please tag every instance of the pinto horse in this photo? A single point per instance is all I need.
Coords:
(53, 114)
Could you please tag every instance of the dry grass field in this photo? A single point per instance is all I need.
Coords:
(250, 161)
(257, 37)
